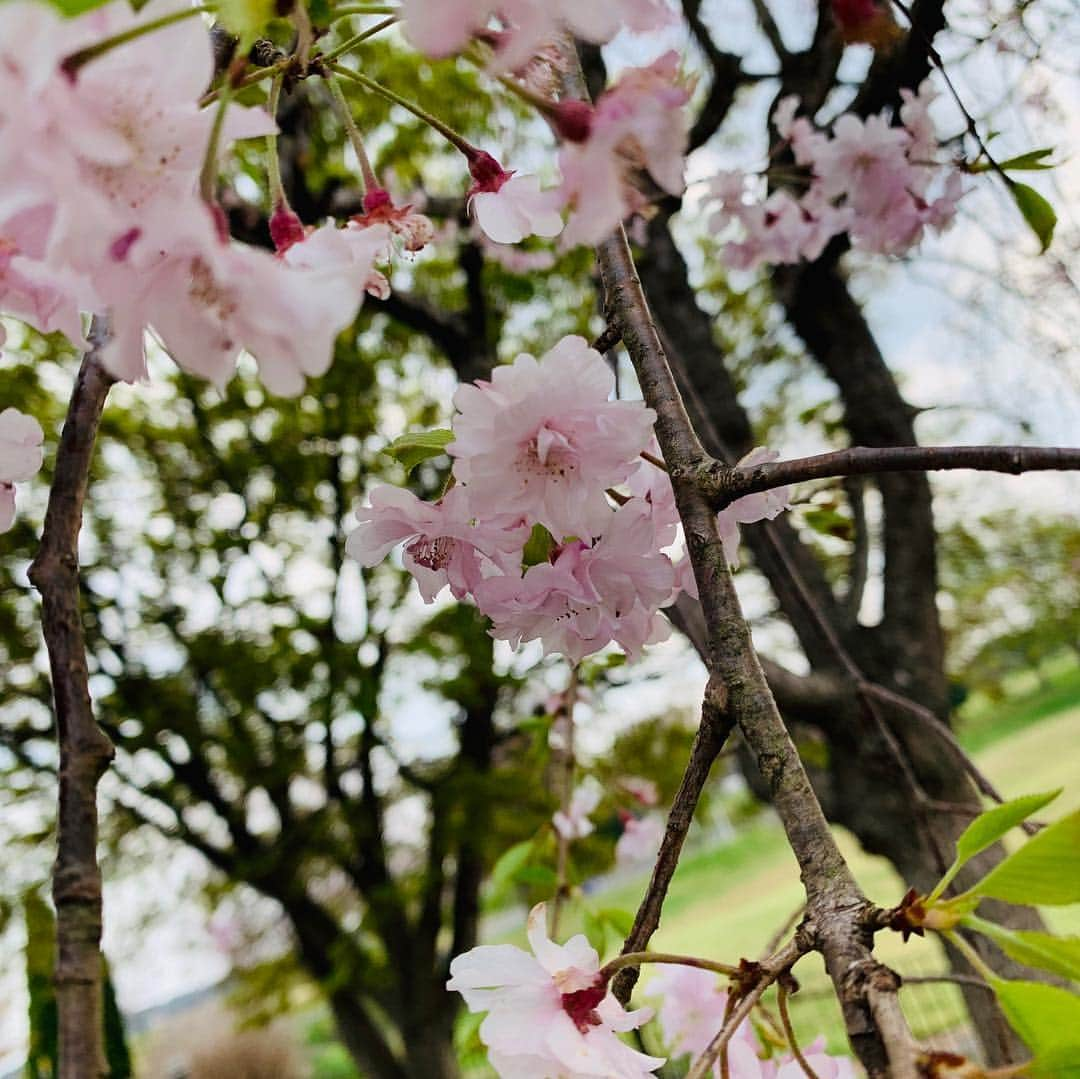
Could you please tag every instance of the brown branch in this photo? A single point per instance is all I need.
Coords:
(85, 750)
(835, 904)
(715, 727)
(724, 484)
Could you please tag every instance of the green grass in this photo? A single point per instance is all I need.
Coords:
(984, 720)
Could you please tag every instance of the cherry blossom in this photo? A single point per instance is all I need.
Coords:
(543, 440)
(638, 123)
(444, 543)
(589, 596)
(21, 455)
(823, 1065)
(415, 229)
(573, 822)
(640, 789)
(764, 506)
(549, 1013)
(693, 1009)
(640, 839)
(508, 208)
(883, 185)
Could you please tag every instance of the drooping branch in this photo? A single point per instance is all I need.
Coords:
(85, 750)
(727, 484)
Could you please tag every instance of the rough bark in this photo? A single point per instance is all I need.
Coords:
(85, 751)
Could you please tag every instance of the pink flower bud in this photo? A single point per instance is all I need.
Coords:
(573, 120)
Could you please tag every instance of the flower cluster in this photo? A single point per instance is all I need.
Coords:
(20, 458)
(550, 1014)
(881, 184)
(637, 125)
(541, 453)
(100, 163)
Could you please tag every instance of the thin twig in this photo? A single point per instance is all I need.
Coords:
(635, 959)
(789, 1032)
(768, 972)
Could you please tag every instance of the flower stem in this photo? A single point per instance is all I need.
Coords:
(634, 959)
(447, 132)
(273, 164)
(208, 173)
(358, 39)
(76, 60)
(341, 106)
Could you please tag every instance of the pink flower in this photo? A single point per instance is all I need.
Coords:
(415, 229)
(47, 297)
(823, 1065)
(207, 300)
(21, 455)
(590, 596)
(692, 1012)
(639, 122)
(549, 1013)
(642, 790)
(542, 440)
(640, 839)
(445, 544)
(510, 207)
(574, 823)
(764, 506)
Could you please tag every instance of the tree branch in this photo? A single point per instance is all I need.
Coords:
(724, 484)
(715, 727)
(85, 750)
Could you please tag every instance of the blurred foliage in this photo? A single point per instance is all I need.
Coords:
(1012, 595)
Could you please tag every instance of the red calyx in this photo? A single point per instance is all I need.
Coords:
(376, 199)
(286, 228)
(487, 173)
(581, 1005)
(573, 120)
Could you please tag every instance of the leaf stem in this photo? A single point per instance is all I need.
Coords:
(358, 39)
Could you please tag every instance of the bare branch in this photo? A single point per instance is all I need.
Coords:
(724, 484)
(85, 750)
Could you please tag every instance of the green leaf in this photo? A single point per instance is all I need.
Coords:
(509, 863)
(1038, 213)
(828, 522)
(1045, 1016)
(77, 7)
(1033, 159)
(418, 446)
(1062, 1062)
(538, 547)
(1045, 870)
(1060, 955)
(987, 828)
